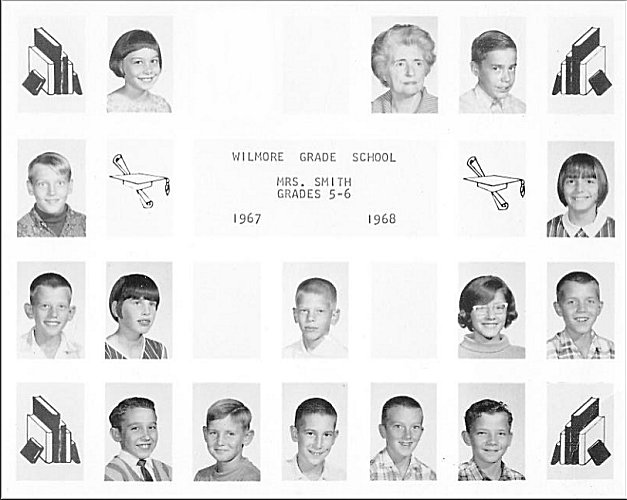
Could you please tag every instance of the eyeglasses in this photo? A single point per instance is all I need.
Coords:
(483, 309)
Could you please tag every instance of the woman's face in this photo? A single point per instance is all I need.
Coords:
(489, 319)
(407, 69)
(141, 69)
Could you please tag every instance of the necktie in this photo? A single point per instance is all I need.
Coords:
(142, 465)
(581, 234)
(496, 106)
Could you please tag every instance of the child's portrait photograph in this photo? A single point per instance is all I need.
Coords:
(141, 64)
(138, 432)
(139, 310)
(403, 61)
(492, 65)
(39, 89)
(491, 310)
(597, 65)
(581, 307)
(581, 440)
(226, 432)
(51, 310)
(315, 310)
(315, 432)
(51, 188)
(50, 443)
(490, 208)
(403, 432)
(403, 312)
(491, 432)
(221, 289)
(581, 189)
(136, 205)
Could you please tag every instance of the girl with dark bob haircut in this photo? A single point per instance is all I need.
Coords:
(486, 307)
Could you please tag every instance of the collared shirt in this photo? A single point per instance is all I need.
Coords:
(291, 472)
(603, 226)
(328, 348)
(131, 461)
(428, 103)
(28, 348)
(470, 471)
(382, 468)
(561, 346)
(32, 225)
(478, 101)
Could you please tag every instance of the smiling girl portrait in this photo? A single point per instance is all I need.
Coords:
(136, 57)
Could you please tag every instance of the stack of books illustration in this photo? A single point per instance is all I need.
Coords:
(49, 67)
(47, 436)
(583, 437)
(584, 68)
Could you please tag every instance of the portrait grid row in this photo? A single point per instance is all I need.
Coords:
(240, 189)
(403, 69)
(408, 428)
(317, 315)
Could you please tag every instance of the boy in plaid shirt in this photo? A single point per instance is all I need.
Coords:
(401, 427)
(579, 305)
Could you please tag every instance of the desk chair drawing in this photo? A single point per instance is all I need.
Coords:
(493, 183)
(139, 182)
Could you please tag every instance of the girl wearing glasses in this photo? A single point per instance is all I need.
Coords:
(486, 307)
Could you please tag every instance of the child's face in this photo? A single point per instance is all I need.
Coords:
(488, 320)
(489, 438)
(141, 69)
(137, 315)
(401, 431)
(581, 194)
(314, 314)
(138, 434)
(497, 72)
(315, 436)
(226, 438)
(407, 70)
(579, 306)
(51, 309)
(49, 188)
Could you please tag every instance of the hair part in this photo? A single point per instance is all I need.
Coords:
(314, 406)
(53, 280)
(583, 166)
(580, 277)
(403, 401)
(489, 41)
(230, 408)
(55, 161)
(132, 286)
(319, 286)
(481, 291)
(399, 34)
(488, 406)
(117, 414)
(130, 42)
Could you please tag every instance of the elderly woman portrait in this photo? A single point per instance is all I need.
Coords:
(401, 59)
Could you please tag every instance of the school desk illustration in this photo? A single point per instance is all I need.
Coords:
(49, 67)
(493, 183)
(47, 436)
(583, 438)
(139, 182)
(584, 68)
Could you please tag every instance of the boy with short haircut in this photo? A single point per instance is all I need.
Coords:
(50, 182)
(314, 431)
(134, 426)
(489, 434)
(579, 305)
(316, 310)
(226, 433)
(50, 308)
(401, 427)
(493, 62)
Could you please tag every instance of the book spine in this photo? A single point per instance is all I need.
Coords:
(61, 458)
(49, 46)
(49, 416)
(64, 73)
(569, 73)
(70, 77)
